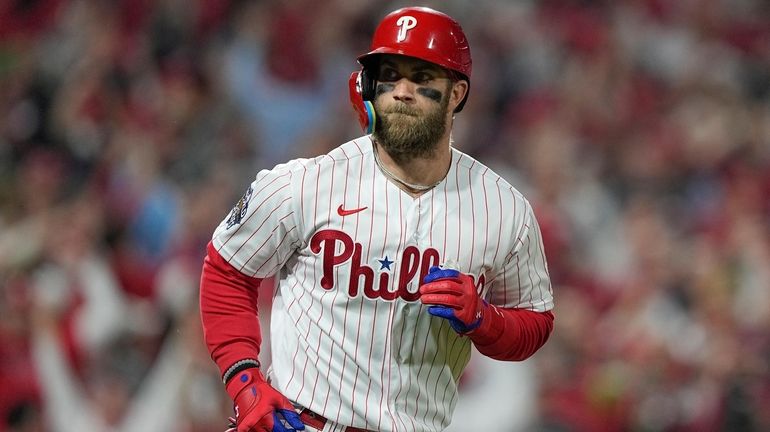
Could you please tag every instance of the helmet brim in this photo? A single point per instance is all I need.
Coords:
(367, 60)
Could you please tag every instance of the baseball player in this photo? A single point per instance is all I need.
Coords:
(395, 253)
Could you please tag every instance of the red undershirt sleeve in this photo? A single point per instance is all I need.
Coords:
(512, 334)
(228, 307)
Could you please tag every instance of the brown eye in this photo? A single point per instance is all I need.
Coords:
(388, 74)
(422, 77)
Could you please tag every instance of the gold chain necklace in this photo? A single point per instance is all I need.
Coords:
(412, 186)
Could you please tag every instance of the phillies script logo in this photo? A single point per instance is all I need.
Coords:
(411, 263)
(405, 23)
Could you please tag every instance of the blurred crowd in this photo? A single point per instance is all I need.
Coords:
(638, 129)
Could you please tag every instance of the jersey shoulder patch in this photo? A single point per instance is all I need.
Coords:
(240, 209)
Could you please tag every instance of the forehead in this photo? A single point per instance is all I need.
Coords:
(407, 63)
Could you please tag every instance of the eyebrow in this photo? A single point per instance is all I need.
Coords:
(418, 67)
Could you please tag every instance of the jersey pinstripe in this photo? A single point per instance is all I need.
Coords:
(350, 338)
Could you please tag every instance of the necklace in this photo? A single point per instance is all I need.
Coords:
(414, 187)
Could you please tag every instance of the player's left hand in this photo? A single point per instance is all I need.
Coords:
(452, 295)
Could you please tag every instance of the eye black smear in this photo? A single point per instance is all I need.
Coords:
(430, 93)
(384, 88)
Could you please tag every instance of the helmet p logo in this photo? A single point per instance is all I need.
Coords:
(405, 23)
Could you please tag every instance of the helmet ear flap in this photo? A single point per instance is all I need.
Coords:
(368, 84)
(358, 86)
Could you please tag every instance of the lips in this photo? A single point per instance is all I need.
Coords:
(403, 114)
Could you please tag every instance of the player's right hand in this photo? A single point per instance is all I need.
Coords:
(259, 407)
(452, 295)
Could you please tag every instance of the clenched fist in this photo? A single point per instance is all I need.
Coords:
(453, 296)
(259, 407)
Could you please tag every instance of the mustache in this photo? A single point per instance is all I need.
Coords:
(402, 109)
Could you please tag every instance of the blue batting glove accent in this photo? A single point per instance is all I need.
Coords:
(285, 420)
(449, 314)
(435, 273)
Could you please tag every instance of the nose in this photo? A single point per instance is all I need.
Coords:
(403, 90)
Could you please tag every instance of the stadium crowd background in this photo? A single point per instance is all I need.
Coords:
(639, 129)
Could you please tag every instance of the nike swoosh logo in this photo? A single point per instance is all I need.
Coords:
(342, 212)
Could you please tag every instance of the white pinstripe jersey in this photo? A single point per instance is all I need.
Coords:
(350, 338)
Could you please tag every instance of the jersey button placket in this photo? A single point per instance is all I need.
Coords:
(412, 218)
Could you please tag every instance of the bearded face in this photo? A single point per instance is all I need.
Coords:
(405, 131)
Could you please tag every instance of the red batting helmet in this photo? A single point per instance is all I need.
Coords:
(422, 33)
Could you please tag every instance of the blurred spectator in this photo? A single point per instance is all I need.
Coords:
(282, 71)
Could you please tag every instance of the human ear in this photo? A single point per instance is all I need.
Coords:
(457, 93)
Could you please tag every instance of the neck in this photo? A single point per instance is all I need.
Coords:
(415, 175)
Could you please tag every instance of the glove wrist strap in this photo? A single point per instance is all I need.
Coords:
(239, 366)
(470, 328)
(489, 326)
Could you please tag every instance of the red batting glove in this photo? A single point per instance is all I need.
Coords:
(453, 296)
(259, 407)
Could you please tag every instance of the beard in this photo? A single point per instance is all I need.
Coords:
(405, 133)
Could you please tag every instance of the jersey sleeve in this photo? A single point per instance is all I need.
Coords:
(260, 232)
(523, 282)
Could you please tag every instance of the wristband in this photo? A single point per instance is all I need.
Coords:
(238, 366)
